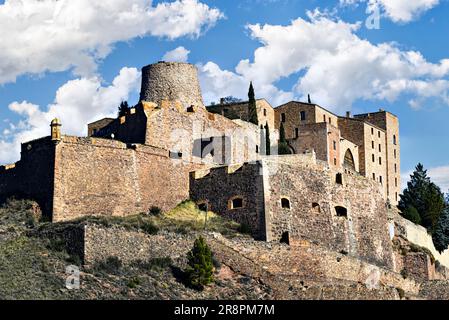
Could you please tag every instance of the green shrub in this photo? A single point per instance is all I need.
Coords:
(110, 265)
(155, 211)
(133, 282)
(160, 263)
(410, 213)
(149, 228)
(244, 228)
(200, 265)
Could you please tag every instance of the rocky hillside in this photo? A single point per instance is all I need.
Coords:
(143, 257)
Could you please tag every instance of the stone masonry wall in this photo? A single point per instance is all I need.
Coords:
(217, 187)
(314, 196)
(106, 177)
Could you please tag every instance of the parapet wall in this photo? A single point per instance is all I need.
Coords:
(418, 235)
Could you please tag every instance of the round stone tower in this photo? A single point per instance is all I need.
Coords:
(172, 81)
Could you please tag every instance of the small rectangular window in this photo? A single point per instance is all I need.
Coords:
(296, 132)
(303, 115)
(265, 112)
(378, 134)
(395, 154)
(374, 159)
(380, 148)
(372, 144)
(335, 145)
(380, 160)
(396, 182)
(380, 179)
(282, 117)
(372, 131)
(335, 161)
(324, 118)
(374, 176)
(330, 120)
(395, 168)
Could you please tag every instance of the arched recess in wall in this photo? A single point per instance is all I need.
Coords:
(349, 160)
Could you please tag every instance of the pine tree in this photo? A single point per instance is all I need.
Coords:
(434, 207)
(413, 195)
(283, 144)
(252, 106)
(200, 265)
(267, 140)
(123, 109)
(441, 235)
(424, 196)
(410, 213)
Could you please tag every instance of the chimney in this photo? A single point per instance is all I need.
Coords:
(348, 114)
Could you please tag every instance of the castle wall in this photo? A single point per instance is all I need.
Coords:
(171, 128)
(32, 176)
(106, 177)
(314, 194)
(265, 112)
(218, 187)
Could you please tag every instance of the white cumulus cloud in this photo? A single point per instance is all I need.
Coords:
(57, 35)
(77, 103)
(399, 11)
(180, 54)
(332, 63)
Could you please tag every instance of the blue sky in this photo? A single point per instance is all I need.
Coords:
(84, 72)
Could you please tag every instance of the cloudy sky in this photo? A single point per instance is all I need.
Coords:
(77, 59)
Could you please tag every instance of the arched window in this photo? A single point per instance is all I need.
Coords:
(285, 203)
(349, 160)
(236, 203)
(341, 211)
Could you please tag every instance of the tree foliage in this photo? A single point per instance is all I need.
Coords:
(200, 265)
(283, 147)
(123, 109)
(267, 140)
(252, 107)
(423, 196)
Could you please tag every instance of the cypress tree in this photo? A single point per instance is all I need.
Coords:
(123, 109)
(283, 145)
(200, 265)
(308, 99)
(267, 140)
(252, 107)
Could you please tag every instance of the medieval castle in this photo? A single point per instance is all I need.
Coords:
(334, 189)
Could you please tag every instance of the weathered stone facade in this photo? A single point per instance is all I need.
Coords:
(296, 198)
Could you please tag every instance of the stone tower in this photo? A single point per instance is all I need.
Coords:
(173, 81)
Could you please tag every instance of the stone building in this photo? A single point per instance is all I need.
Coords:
(366, 144)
